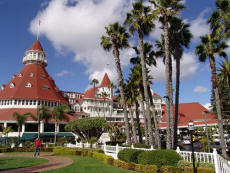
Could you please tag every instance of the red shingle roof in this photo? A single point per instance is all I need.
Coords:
(190, 112)
(105, 81)
(43, 86)
(7, 114)
(36, 46)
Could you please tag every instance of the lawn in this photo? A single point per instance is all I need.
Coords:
(88, 165)
(7, 163)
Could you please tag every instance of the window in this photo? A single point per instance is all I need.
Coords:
(19, 75)
(43, 76)
(12, 85)
(31, 74)
(28, 85)
(45, 86)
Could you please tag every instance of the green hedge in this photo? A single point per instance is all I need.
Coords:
(183, 163)
(159, 158)
(24, 149)
(172, 169)
(129, 155)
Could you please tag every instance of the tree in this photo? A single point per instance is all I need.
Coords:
(94, 82)
(140, 20)
(20, 120)
(165, 9)
(115, 133)
(43, 114)
(224, 70)
(210, 46)
(111, 87)
(180, 37)
(104, 95)
(88, 128)
(59, 114)
(117, 38)
(6, 131)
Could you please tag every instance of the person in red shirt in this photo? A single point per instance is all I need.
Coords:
(38, 145)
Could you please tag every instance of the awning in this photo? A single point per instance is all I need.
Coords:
(32, 136)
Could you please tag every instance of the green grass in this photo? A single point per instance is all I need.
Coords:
(7, 163)
(88, 165)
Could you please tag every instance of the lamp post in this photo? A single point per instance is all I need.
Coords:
(191, 130)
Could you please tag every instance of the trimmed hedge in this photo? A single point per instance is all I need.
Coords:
(24, 149)
(129, 155)
(172, 169)
(159, 158)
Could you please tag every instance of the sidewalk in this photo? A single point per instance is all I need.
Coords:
(54, 162)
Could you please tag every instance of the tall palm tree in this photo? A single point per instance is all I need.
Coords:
(104, 95)
(180, 37)
(140, 20)
(210, 47)
(165, 9)
(20, 120)
(59, 114)
(43, 114)
(116, 38)
(225, 72)
(111, 87)
(94, 82)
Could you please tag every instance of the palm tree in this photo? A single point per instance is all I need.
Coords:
(180, 37)
(20, 120)
(117, 38)
(43, 114)
(225, 72)
(111, 87)
(165, 9)
(141, 20)
(94, 82)
(6, 131)
(59, 114)
(210, 47)
(104, 95)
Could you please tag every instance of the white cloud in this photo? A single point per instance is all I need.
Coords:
(78, 28)
(189, 65)
(199, 25)
(208, 106)
(63, 73)
(200, 89)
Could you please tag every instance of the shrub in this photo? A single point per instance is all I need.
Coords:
(159, 158)
(183, 163)
(141, 146)
(139, 168)
(117, 163)
(109, 160)
(150, 169)
(129, 155)
(170, 169)
(64, 151)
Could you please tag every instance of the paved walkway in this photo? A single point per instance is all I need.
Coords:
(54, 162)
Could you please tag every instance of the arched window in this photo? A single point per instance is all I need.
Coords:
(45, 86)
(12, 85)
(28, 85)
(31, 74)
(19, 75)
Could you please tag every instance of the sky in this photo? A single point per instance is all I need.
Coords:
(70, 32)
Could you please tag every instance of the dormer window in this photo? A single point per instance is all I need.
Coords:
(31, 74)
(19, 75)
(45, 86)
(43, 76)
(28, 85)
(11, 85)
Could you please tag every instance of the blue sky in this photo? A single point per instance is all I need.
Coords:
(70, 34)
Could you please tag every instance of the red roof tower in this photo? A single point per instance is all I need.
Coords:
(105, 81)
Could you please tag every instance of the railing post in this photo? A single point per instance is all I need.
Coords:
(104, 147)
(117, 148)
(81, 145)
(151, 147)
(215, 155)
(178, 150)
(132, 146)
(87, 145)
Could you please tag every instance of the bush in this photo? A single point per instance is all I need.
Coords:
(199, 170)
(159, 158)
(64, 151)
(129, 155)
(172, 169)
(141, 146)
(183, 163)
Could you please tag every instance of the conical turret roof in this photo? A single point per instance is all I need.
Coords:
(36, 46)
(105, 81)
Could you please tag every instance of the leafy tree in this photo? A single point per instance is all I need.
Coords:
(104, 95)
(117, 38)
(43, 114)
(224, 72)
(59, 114)
(165, 9)
(211, 46)
(140, 20)
(6, 131)
(87, 128)
(115, 133)
(20, 120)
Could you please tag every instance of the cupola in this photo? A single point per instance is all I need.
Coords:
(35, 55)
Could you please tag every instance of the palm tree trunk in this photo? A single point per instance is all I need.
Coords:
(55, 133)
(176, 101)
(171, 104)
(218, 106)
(19, 130)
(145, 119)
(104, 108)
(138, 122)
(39, 124)
(157, 134)
(133, 125)
(167, 77)
(120, 78)
(144, 76)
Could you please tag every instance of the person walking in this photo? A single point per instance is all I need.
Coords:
(38, 145)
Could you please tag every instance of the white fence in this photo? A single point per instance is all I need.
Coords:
(221, 165)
